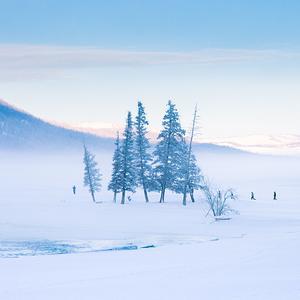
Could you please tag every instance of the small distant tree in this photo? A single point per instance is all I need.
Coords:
(144, 158)
(115, 183)
(92, 175)
(168, 151)
(128, 160)
(218, 200)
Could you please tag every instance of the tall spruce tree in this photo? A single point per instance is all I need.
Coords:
(128, 160)
(168, 151)
(144, 159)
(92, 176)
(115, 183)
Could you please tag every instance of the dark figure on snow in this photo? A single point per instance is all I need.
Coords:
(275, 196)
(129, 198)
(252, 196)
(74, 189)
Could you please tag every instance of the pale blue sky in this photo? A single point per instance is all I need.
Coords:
(92, 60)
(152, 25)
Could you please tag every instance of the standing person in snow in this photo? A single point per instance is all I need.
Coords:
(74, 189)
(275, 196)
(252, 196)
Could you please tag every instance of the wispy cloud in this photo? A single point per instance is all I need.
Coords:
(268, 144)
(35, 61)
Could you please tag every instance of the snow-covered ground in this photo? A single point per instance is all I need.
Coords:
(58, 246)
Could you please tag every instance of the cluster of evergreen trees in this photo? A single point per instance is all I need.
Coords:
(171, 166)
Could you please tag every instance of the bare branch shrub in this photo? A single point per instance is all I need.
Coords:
(218, 200)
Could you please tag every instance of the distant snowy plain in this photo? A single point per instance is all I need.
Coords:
(54, 245)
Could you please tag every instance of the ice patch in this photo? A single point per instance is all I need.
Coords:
(32, 248)
(14, 249)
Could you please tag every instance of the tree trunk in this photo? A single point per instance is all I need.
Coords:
(192, 196)
(146, 194)
(93, 196)
(184, 196)
(162, 195)
(115, 197)
(123, 197)
(184, 199)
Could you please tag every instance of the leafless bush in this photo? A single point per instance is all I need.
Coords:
(218, 200)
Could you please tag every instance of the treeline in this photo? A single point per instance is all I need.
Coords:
(171, 166)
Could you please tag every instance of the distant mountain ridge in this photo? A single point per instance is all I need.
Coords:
(20, 130)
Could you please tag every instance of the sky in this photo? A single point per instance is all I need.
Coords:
(91, 61)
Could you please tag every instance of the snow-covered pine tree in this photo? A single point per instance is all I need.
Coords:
(168, 151)
(92, 176)
(144, 159)
(189, 177)
(128, 160)
(195, 177)
(191, 173)
(115, 182)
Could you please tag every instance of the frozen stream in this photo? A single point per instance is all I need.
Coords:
(13, 249)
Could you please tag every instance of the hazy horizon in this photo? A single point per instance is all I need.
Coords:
(261, 144)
